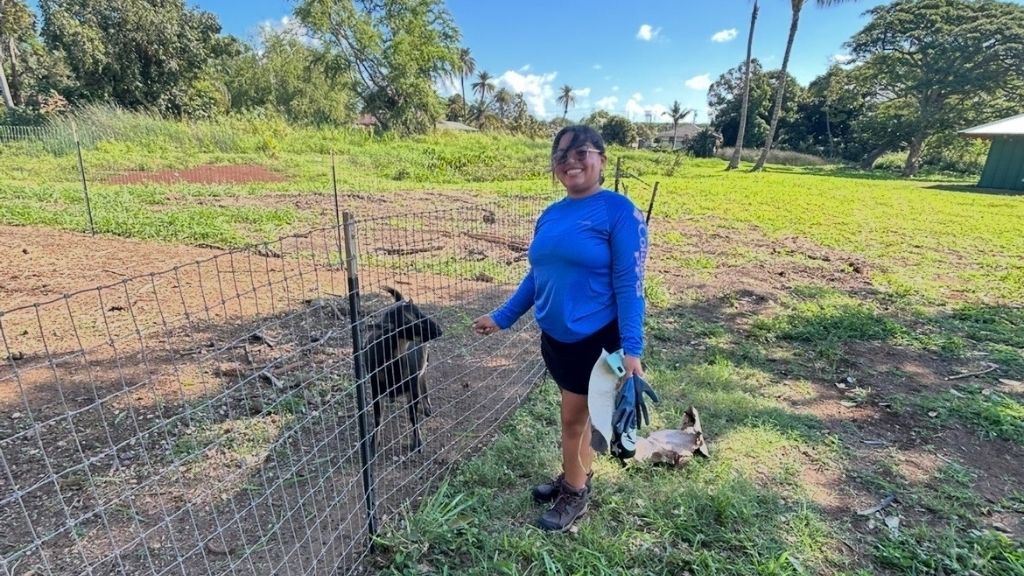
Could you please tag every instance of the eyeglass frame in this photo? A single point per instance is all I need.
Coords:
(562, 156)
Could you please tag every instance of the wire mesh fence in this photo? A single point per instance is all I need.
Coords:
(256, 412)
(173, 186)
(644, 193)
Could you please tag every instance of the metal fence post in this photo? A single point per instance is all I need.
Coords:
(650, 207)
(365, 438)
(81, 172)
(337, 214)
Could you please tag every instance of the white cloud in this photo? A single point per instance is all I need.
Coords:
(525, 68)
(582, 92)
(607, 103)
(637, 96)
(658, 89)
(615, 88)
(596, 66)
(634, 110)
(647, 32)
(537, 89)
(841, 58)
(638, 113)
(724, 35)
(702, 82)
(289, 26)
(446, 86)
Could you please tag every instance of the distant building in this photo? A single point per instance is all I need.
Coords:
(674, 140)
(456, 126)
(1004, 168)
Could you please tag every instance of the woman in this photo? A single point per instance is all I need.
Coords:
(586, 286)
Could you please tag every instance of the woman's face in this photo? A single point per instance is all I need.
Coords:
(579, 168)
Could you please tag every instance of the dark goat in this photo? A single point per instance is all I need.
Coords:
(395, 357)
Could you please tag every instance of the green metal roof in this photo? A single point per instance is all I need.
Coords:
(1012, 126)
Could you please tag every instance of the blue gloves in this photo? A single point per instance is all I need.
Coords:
(630, 408)
(630, 414)
(624, 416)
(643, 389)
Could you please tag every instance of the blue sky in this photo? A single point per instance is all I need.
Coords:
(628, 57)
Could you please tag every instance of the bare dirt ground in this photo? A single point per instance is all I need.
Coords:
(233, 174)
(197, 409)
(874, 430)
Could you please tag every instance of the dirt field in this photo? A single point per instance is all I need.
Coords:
(197, 409)
(233, 174)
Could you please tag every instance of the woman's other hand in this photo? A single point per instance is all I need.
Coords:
(632, 366)
(485, 325)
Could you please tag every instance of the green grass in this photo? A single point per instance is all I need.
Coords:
(716, 516)
(925, 552)
(945, 264)
(826, 317)
(927, 254)
(990, 413)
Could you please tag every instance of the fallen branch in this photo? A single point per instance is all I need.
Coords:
(267, 374)
(885, 503)
(267, 252)
(990, 368)
(517, 245)
(408, 251)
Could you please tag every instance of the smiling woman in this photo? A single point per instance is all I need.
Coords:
(586, 287)
(578, 160)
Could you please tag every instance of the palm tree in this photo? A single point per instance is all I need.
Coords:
(734, 162)
(8, 101)
(483, 86)
(780, 90)
(503, 100)
(467, 66)
(677, 114)
(566, 98)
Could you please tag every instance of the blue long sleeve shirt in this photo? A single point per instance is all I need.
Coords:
(586, 268)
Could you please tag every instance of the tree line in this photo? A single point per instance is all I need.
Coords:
(919, 71)
(334, 60)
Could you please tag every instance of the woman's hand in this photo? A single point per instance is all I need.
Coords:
(632, 366)
(485, 325)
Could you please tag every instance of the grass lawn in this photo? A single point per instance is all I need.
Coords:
(813, 315)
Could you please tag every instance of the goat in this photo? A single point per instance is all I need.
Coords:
(395, 358)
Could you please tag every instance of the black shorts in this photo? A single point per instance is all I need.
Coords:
(570, 364)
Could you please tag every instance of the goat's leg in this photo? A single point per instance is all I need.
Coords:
(376, 423)
(413, 409)
(421, 385)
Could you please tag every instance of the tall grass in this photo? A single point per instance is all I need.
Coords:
(780, 157)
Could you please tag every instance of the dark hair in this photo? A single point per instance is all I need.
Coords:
(581, 135)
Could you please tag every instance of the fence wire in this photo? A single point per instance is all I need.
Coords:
(205, 419)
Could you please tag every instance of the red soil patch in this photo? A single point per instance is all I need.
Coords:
(231, 174)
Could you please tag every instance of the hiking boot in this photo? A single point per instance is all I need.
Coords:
(548, 491)
(569, 506)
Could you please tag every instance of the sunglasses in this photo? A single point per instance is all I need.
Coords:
(577, 154)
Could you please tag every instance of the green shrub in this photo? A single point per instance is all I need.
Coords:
(949, 153)
(780, 157)
(705, 143)
(891, 162)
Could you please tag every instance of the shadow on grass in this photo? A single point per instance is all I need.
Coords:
(972, 189)
(744, 511)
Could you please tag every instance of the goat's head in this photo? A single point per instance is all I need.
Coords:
(405, 319)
